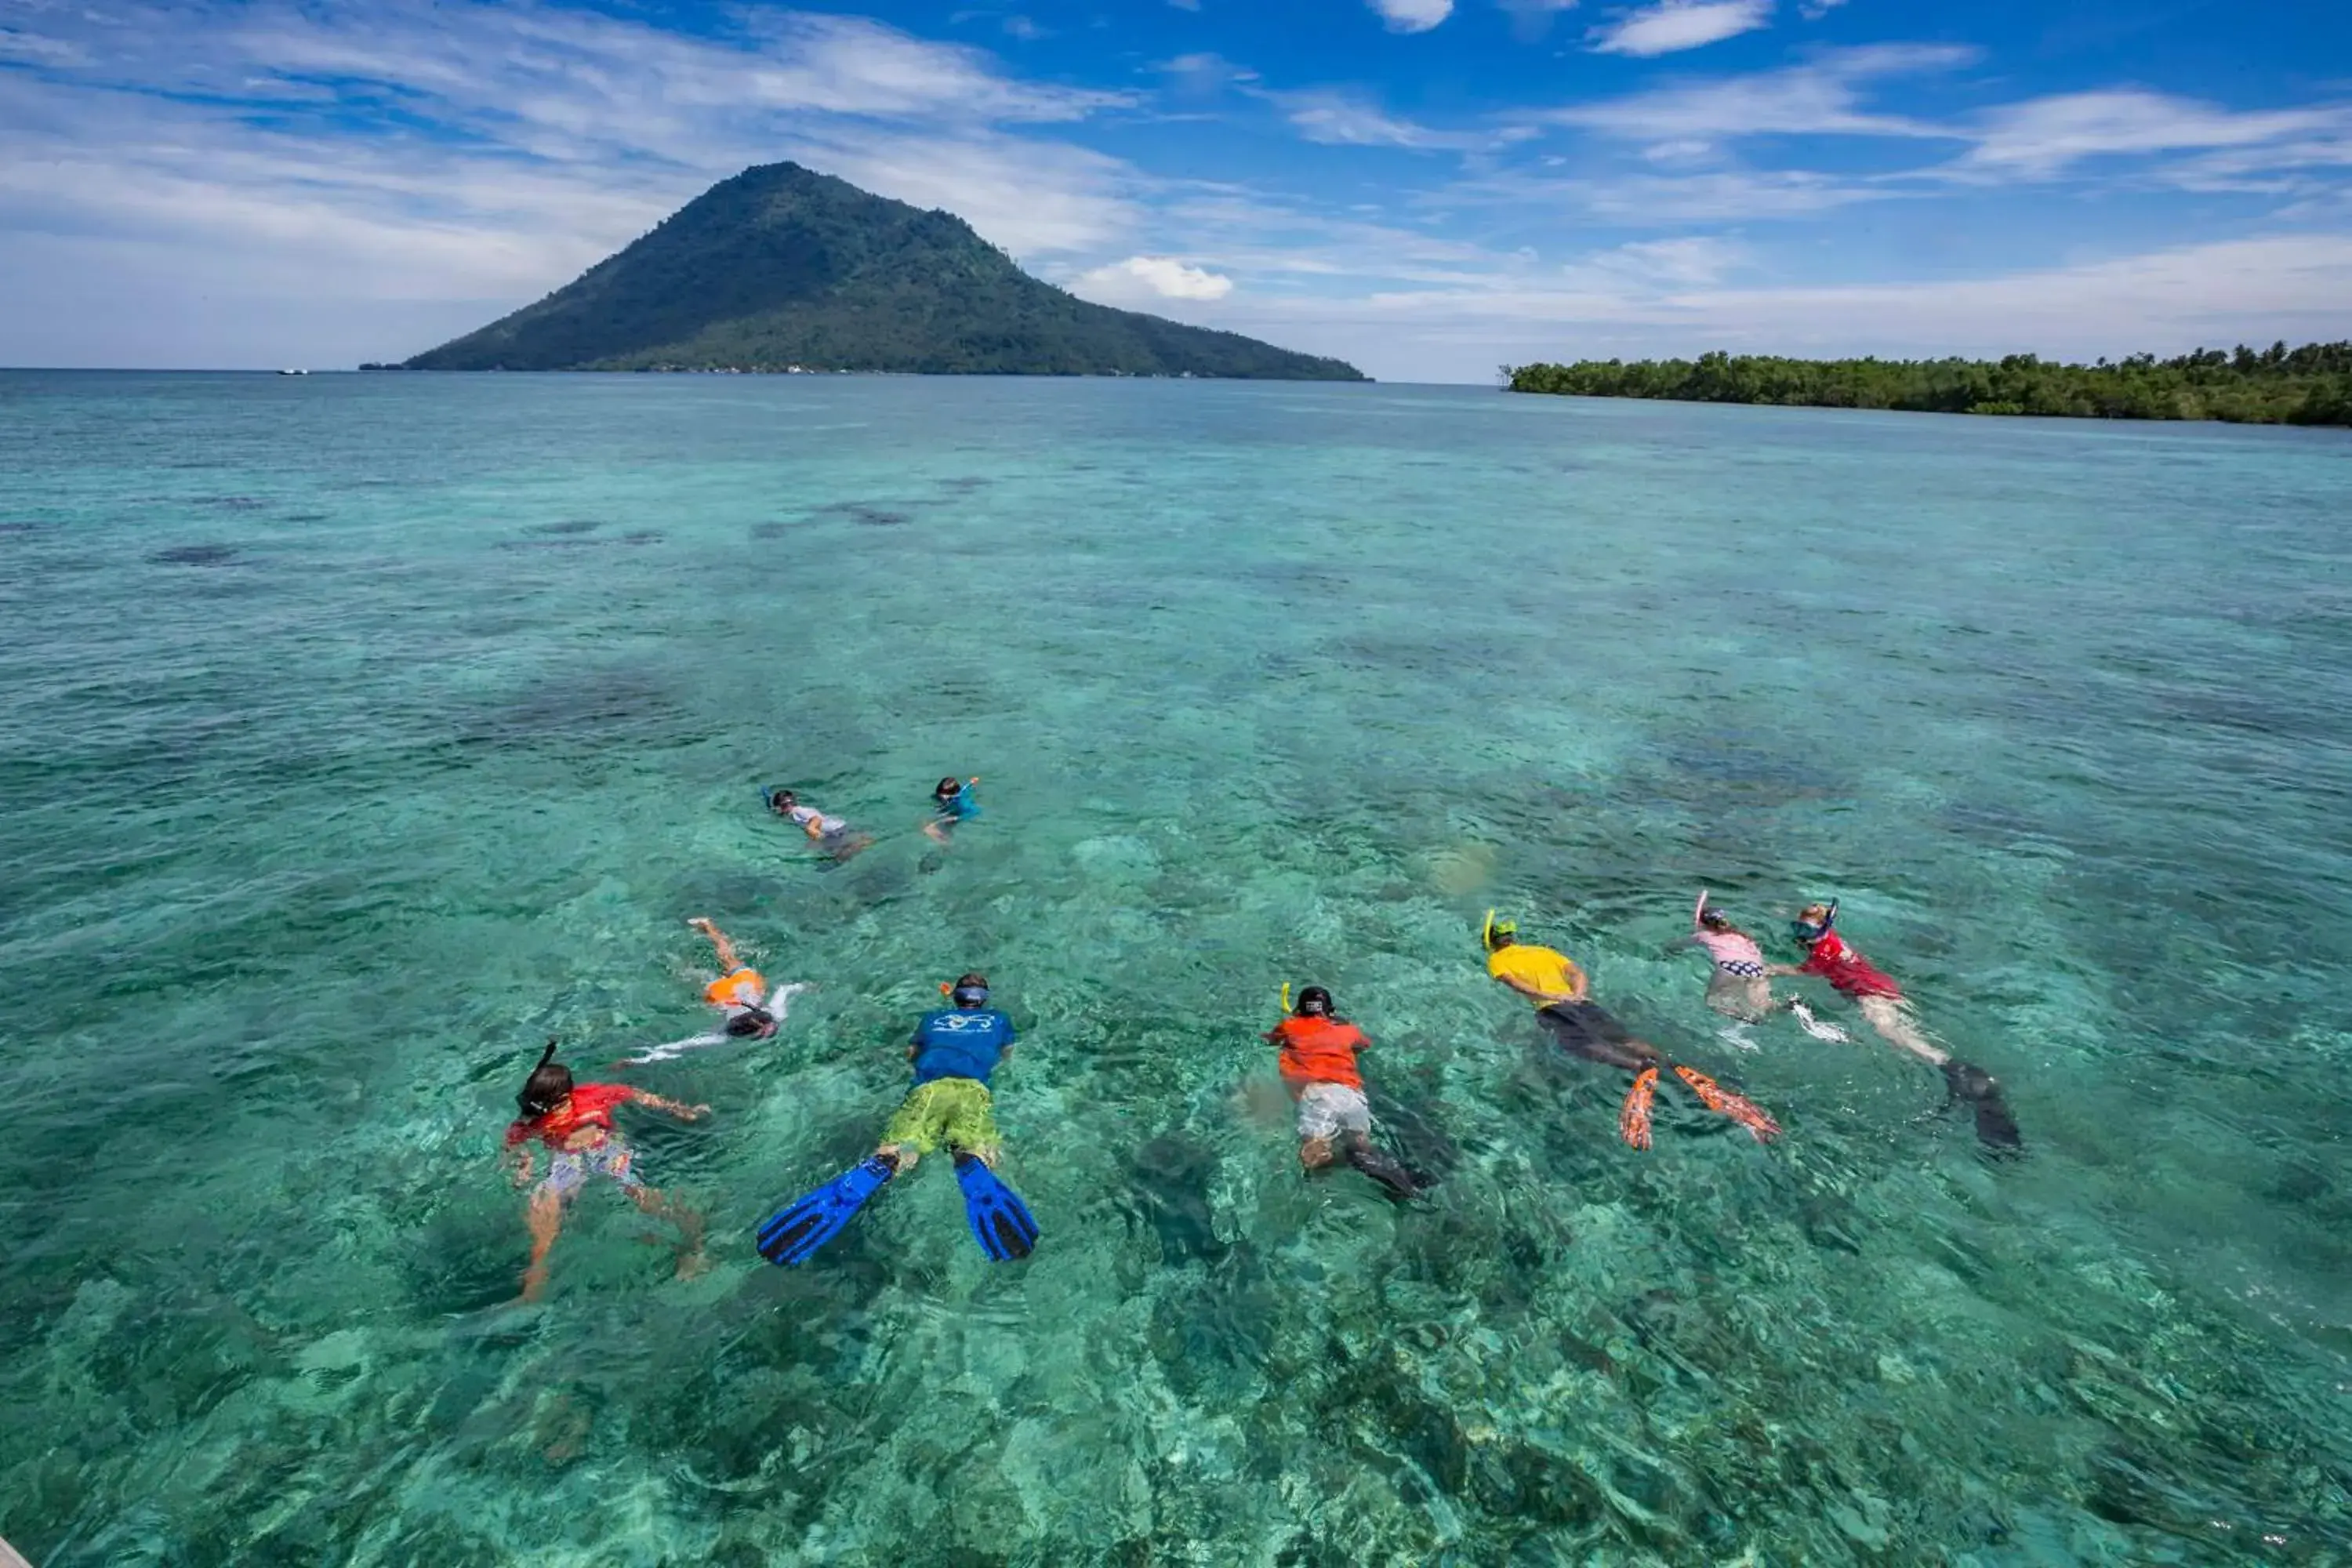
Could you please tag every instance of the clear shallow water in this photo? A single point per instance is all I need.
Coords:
(356, 733)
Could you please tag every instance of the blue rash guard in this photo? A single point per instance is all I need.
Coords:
(960, 1042)
(957, 807)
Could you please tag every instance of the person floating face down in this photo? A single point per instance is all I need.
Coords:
(1335, 1121)
(1582, 1027)
(574, 1121)
(740, 992)
(1737, 986)
(951, 802)
(1881, 1001)
(831, 834)
(954, 1052)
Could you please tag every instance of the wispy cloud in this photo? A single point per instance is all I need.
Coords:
(1822, 97)
(1411, 16)
(1673, 25)
(1338, 118)
(2047, 136)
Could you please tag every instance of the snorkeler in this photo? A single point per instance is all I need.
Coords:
(831, 834)
(954, 1051)
(1737, 988)
(1319, 1068)
(1884, 1007)
(739, 994)
(1582, 1027)
(952, 803)
(575, 1121)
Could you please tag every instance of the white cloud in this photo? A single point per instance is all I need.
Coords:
(1673, 25)
(1411, 16)
(1342, 118)
(1649, 200)
(2044, 136)
(1821, 98)
(1814, 10)
(1148, 278)
(416, 169)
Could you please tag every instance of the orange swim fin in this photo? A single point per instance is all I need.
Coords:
(1738, 1107)
(1634, 1119)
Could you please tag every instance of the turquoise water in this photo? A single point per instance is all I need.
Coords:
(356, 733)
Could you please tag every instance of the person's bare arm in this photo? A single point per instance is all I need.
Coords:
(683, 1112)
(727, 959)
(518, 1156)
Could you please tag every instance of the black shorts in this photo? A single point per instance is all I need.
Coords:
(1579, 1025)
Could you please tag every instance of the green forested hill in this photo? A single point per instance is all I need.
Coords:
(782, 266)
(2278, 386)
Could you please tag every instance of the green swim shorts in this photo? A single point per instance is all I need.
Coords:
(950, 1111)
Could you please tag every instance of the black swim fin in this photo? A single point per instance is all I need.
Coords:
(1996, 1128)
(1385, 1168)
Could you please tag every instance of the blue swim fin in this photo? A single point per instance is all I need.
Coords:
(999, 1220)
(794, 1233)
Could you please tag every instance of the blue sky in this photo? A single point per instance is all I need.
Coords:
(1427, 187)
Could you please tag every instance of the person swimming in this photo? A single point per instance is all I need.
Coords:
(952, 803)
(1582, 1027)
(831, 834)
(1881, 1003)
(574, 1121)
(1319, 1068)
(740, 992)
(1737, 988)
(953, 1053)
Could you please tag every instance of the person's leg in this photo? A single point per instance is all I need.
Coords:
(546, 1219)
(968, 1121)
(1588, 1030)
(1354, 1113)
(1316, 1127)
(1893, 1020)
(1744, 998)
(727, 962)
(656, 1204)
(913, 1129)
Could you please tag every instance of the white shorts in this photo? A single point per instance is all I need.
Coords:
(1324, 1108)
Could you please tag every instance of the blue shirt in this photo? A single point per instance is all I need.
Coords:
(957, 806)
(960, 1042)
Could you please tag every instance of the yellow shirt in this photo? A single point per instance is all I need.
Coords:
(1537, 966)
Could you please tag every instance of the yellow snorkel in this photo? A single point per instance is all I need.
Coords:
(1285, 998)
(1486, 937)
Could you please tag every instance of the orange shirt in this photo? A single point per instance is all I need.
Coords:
(1319, 1050)
(744, 988)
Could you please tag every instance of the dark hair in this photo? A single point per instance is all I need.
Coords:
(549, 1082)
(750, 1021)
(783, 798)
(1714, 918)
(950, 786)
(1316, 992)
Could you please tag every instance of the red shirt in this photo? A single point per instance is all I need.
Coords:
(591, 1105)
(1319, 1050)
(1847, 970)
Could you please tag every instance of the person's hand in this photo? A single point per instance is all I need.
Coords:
(693, 1112)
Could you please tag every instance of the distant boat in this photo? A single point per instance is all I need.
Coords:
(293, 372)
